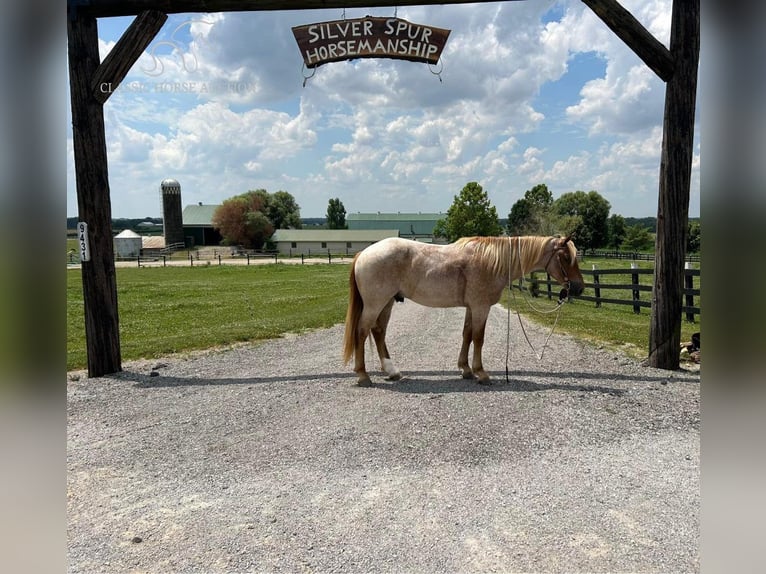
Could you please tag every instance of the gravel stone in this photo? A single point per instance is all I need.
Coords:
(268, 458)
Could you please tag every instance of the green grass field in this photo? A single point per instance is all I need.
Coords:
(176, 309)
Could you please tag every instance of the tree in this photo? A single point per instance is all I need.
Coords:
(694, 237)
(471, 213)
(532, 213)
(615, 231)
(637, 238)
(336, 214)
(282, 210)
(241, 221)
(540, 197)
(593, 211)
(520, 218)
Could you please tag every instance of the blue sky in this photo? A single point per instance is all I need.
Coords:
(530, 92)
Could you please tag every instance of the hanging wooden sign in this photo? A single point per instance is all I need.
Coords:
(369, 37)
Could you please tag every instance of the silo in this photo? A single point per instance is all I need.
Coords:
(172, 220)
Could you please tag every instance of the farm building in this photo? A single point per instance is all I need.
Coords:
(127, 244)
(418, 226)
(320, 241)
(198, 225)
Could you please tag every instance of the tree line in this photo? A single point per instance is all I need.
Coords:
(251, 218)
(584, 215)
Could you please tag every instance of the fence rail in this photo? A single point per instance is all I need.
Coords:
(632, 255)
(536, 285)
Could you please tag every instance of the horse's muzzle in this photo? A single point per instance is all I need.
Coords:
(576, 288)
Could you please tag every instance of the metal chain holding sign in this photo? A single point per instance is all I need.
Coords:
(440, 70)
(305, 77)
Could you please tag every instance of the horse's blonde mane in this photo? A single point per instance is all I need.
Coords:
(493, 252)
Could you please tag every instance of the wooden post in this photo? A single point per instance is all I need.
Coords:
(636, 292)
(689, 286)
(99, 282)
(548, 283)
(596, 286)
(675, 179)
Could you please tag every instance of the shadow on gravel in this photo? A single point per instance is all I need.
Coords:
(434, 381)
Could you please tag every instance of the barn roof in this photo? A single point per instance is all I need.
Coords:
(201, 215)
(394, 216)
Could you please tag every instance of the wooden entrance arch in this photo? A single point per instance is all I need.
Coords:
(676, 65)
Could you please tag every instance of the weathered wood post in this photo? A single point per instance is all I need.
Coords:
(549, 287)
(91, 83)
(99, 283)
(596, 286)
(636, 292)
(689, 289)
(675, 178)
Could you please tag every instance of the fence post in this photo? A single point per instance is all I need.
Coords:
(636, 293)
(164, 263)
(329, 257)
(301, 258)
(275, 258)
(248, 258)
(596, 286)
(689, 285)
(219, 260)
(191, 260)
(548, 285)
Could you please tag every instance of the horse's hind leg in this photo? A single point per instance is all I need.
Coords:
(367, 321)
(379, 332)
(462, 360)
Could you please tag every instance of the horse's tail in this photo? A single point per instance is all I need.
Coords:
(354, 311)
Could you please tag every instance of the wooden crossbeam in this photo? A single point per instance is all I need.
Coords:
(125, 52)
(632, 32)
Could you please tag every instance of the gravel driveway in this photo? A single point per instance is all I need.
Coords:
(267, 458)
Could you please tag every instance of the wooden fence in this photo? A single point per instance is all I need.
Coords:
(631, 255)
(631, 286)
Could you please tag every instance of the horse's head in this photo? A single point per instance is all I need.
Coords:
(562, 266)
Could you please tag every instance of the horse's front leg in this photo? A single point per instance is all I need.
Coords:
(478, 325)
(462, 359)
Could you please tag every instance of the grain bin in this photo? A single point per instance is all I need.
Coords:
(127, 244)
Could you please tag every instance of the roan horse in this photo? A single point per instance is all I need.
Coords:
(470, 273)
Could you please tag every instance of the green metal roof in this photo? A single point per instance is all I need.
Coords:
(333, 235)
(395, 216)
(198, 214)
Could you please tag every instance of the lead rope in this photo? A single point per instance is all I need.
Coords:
(557, 309)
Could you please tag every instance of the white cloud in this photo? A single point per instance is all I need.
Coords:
(228, 112)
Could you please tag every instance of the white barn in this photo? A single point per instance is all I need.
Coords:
(320, 241)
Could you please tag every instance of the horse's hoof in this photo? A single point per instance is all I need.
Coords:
(366, 382)
(394, 377)
(486, 382)
(468, 375)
